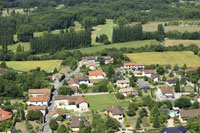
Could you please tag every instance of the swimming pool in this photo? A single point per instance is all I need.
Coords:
(173, 114)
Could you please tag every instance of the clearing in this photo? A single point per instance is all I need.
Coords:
(163, 58)
(106, 28)
(133, 44)
(101, 102)
(13, 47)
(184, 42)
(22, 126)
(26, 66)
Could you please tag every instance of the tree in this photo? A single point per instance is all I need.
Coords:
(34, 115)
(163, 117)
(83, 86)
(55, 70)
(65, 91)
(137, 126)
(29, 126)
(164, 109)
(53, 124)
(156, 123)
(195, 105)
(62, 129)
(112, 124)
(143, 113)
(110, 72)
(120, 95)
(117, 76)
(121, 21)
(177, 87)
(183, 102)
(25, 33)
(60, 118)
(160, 70)
(98, 124)
(184, 66)
(19, 48)
(176, 68)
(131, 109)
(161, 30)
(3, 65)
(133, 80)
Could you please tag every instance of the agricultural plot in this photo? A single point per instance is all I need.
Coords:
(101, 102)
(133, 44)
(164, 58)
(26, 66)
(13, 47)
(184, 42)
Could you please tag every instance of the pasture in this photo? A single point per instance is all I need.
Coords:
(184, 42)
(13, 47)
(26, 66)
(133, 44)
(101, 102)
(163, 58)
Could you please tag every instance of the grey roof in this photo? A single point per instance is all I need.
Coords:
(89, 58)
(123, 81)
(171, 81)
(75, 123)
(179, 129)
(82, 79)
(153, 76)
(115, 110)
(141, 83)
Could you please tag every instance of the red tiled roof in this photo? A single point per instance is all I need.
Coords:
(129, 64)
(36, 108)
(38, 99)
(74, 88)
(95, 82)
(96, 73)
(58, 111)
(149, 71)
(80, 100)
(166, 90)
(110, 61)
(5, 115)
(191, 69)
(43, 91)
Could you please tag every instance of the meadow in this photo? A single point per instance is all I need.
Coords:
(132, 44)
(26, 66)
(184, 42)
(101, 102)
(163, 58)
(13, 47)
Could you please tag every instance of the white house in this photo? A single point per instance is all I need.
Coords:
(128, 91)
(139, 67)
(40, 108)
(123, 83)
(93, 66)
(171, 82)
(57, 112)
(39, 92)
(155, 78)
(115, 112)
(76, 103)
(138, 74)
(129, 65)
(148, 73)
(95, 75)
(167, 93)
(38, 101)
(88, 59)
(107, 59)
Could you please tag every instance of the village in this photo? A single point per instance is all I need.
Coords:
(135, 88)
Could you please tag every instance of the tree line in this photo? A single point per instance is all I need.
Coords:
(68, 40)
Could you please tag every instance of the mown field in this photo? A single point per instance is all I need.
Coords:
(133, 44)
(13, 47)
(184, 42)
(101, 102)
(163, 58)
(26, 66)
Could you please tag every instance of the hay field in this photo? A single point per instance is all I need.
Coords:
(163, 58)
(13, 47)
(184, 42)
(26, 66)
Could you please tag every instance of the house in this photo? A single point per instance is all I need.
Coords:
(107, 59)
(73, 82)
(74, 88)
(98, 74)
(167, 92)
(143, 84)
(5, 115)
(39, 92)
(76, 103)
(38, 101)
(179, 129)
(80, 80)
(148, 73)
(186, 114)
(129, 65)
(40, 108)
(139, 67)
(57, 112)
(57, 76)
(88, 59)
(171, 82)
(93, 66)
(155, 78)
(123, 83)
(115, 112)
(138, 73)
(128, 91)
(75, 123)
(191, 69)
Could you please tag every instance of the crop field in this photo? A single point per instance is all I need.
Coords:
(103, 29)
(163, 58)
(26, 66)
(13, 47)
(184, 42)
(133, 44)
(100, 102)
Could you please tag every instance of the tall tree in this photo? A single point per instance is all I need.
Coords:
(177, 86)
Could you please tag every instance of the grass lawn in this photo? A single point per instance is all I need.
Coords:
(26, 66)
(163, 58)
(100, 102)
(184, 42)
(133, 44)
(22, 126)
(14, 46)
(103, 29)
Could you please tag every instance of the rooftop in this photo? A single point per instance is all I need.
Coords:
(58, 111)
(123, 81)
(166, 90)
(36, 108)
(96, 73)
(186, 114)
(129, 64)
(44, 91)
(42, 98)
(115, 110)
(5, 115)
(149, 71)
(75, 123)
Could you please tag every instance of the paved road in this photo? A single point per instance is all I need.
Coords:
(57, 84)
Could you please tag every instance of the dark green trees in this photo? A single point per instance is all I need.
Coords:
(177, 87)
(25, 33)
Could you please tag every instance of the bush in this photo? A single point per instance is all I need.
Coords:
(120, 95)
(29, 126)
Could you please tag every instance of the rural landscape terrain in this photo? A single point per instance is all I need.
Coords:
(124, 66)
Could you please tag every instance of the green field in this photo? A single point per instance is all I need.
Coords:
(100, 102)
(14, 46)
(26, 66)
(164, 58)
(133, 44)
(184, 42)
(103, 29)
